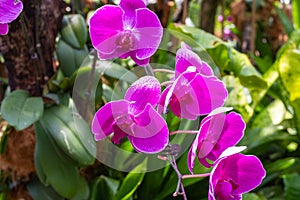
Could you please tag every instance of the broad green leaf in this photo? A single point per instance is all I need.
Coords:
(39, 191)
(21, 110)
(289, 70)
(292, 186)
(267, 117)
(59, 171)
(70, 133)
(70, 58)
(131, 182)
(104, 188)
(74, 30)
(223, 55)
(238, 97)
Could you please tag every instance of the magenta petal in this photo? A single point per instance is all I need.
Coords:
(153, 137)
(105, 117)
(9, 10)
(3, 29)
(105, 23)
(182, 98)
(148, 31)
(192, 154)
(133, 55)
(143, 91)
(210, 91)
(130, 6)
(161, 107)
(186, 58)
(243, 172)
(232, 132)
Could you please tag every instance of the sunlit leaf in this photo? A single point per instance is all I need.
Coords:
(131, 182)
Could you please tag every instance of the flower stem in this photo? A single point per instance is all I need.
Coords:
(164, 70)
(184, 131)
(195, 176)
(149, 70)
(180, 188)
(166, 83)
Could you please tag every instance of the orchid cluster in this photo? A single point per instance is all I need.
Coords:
(9, 11)
(130, 29)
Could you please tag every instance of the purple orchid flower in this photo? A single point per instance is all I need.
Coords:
(217, 132)
(195, 91)
(129, 29)
(134, 118)
(9, 11)
(234, 174)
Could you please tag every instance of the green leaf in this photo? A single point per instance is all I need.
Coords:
(289, 71)
(252, 196)
(286, 22)
(280, 165)
(267, 118)
(131, 182)
(296, 107)
(292, 186)
(57, 169)
(70, 133)
(104, 188)
(222, 54)
(70, 58)
(74, 30)
(21, 110)
(296, 13)
(39, 191)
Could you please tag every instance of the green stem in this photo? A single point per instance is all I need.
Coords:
(184, 132)
(195, 176)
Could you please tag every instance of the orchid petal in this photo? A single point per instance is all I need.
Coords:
(182, 98)
(133, 55)
(143, 91)
(245, 172)
(192, 154)
(3, 29)
(232, 132)
(153, 137)
(105, 117)
(9, 10)
(130, 6)
(186, 58)
(210, 91)
(161, 107)
(148, 32)
(105, 24)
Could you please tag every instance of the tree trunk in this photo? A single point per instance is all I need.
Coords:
(28, 48)
(208, 13)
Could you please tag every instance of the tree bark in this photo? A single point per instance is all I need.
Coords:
(208, 13)
(28, 48)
